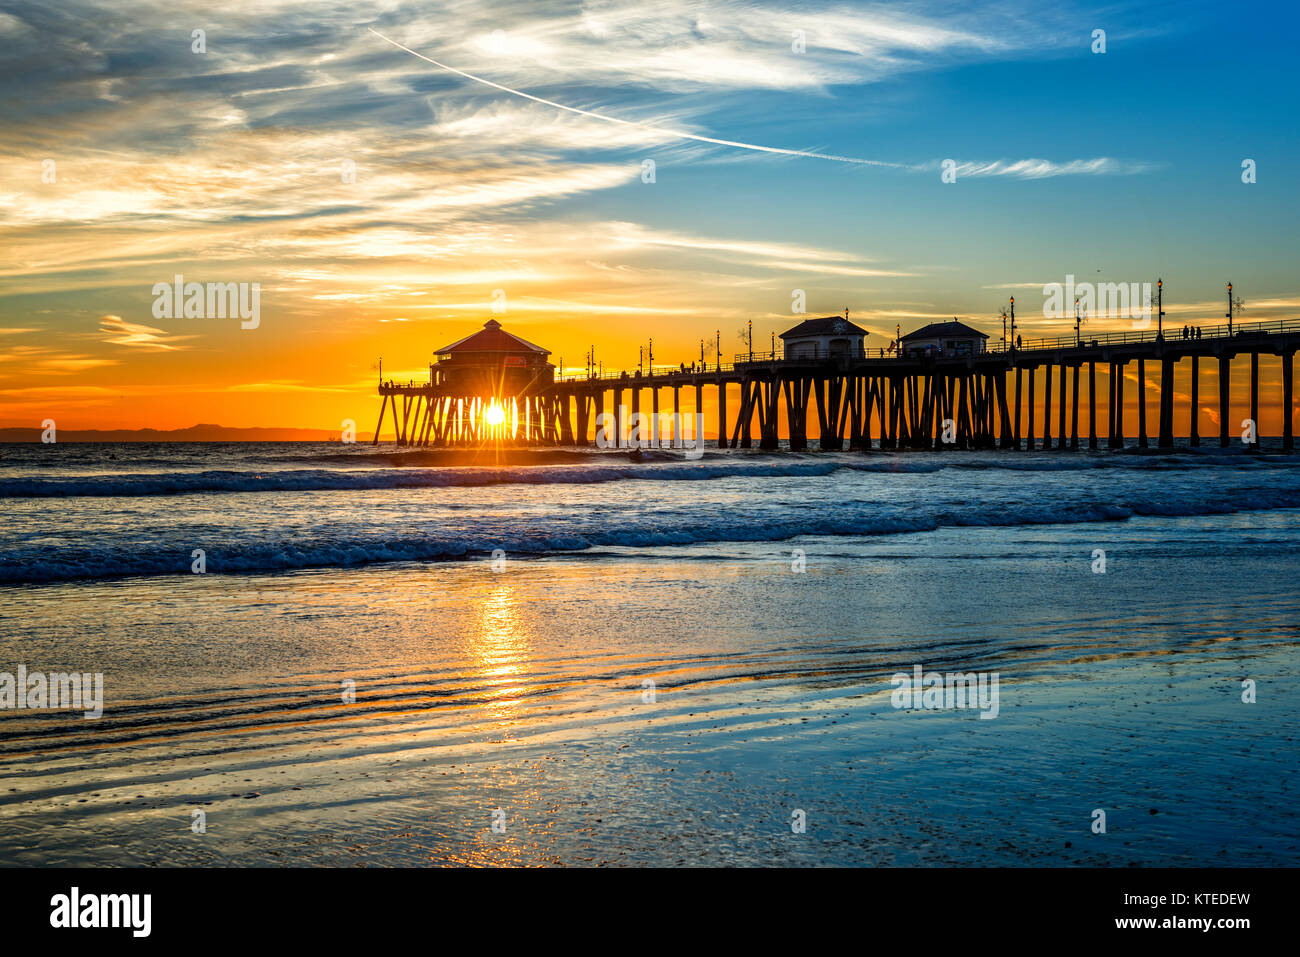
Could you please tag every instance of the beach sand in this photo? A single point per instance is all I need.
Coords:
(521, 690)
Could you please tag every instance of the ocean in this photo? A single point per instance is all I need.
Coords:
(315, 654)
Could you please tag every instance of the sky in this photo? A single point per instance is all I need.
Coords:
(387, 205)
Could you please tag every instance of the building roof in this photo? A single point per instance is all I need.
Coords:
(937, 330)
(825, 326)
(492, 338)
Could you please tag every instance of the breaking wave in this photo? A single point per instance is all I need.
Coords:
(613, 467)
(268, 549)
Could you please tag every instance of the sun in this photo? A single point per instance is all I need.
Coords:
(494, 415)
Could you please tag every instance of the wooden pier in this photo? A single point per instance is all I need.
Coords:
(982, 401)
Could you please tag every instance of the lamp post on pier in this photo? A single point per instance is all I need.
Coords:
(1160, 308)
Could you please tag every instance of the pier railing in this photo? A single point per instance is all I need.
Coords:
(660, 372)
(1175, 334)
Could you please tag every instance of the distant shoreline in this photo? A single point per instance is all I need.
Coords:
(194, 433)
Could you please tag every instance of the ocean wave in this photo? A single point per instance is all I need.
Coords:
(587, 468)
(318, 480)
(357, 545)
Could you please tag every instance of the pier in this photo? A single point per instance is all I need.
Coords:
(867, 399)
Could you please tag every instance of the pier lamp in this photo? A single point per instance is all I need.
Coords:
(1160, 308)
(1229, 308)
(1013, 322)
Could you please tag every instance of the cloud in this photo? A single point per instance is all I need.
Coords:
(73, 363)
(649, 127)
(286, 385)
(1046, 169)
(693, 45)
(785, 257)
(123, 333)
(41, 359)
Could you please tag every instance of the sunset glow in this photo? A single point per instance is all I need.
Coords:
(386, 206)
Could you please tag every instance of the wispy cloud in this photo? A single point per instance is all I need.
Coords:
(123, 333)
(648, 127)
(785, 257)
(1046, 169)
(285, 385)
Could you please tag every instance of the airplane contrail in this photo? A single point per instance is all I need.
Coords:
(644, 126)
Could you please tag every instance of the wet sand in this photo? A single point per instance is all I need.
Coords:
(522, 690)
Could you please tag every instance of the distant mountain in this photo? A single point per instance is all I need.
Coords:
(195, 433)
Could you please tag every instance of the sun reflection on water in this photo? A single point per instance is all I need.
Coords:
(501, 648)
